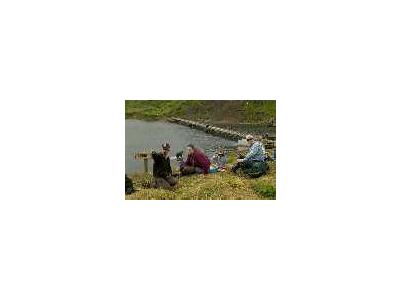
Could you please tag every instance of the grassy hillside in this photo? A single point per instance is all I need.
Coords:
(219, 186)
(214, 110)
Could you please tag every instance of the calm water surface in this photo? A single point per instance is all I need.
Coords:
(143, 136)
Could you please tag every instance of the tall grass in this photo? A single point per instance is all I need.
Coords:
(219, 186)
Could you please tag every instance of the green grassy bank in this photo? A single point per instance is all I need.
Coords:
(219, 186)
(229, 111)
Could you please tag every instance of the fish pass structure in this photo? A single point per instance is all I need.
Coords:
(226, 133)
(269, 142)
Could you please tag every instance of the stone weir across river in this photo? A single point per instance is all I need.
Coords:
(226, 133)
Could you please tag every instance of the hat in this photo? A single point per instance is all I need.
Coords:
(249, 137)
(166, 146)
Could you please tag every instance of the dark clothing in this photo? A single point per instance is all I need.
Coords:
(167, 182)
(241, 165)
(198, 159)
(162, 172)
(129, 188)
(252, 168)
(161, 166)
(187, 170)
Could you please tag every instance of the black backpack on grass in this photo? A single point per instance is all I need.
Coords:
(129, 189)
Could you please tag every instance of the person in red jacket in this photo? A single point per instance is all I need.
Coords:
(196, 163)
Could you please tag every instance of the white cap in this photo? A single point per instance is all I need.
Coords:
(249, 137)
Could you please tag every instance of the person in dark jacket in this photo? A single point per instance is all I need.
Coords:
(162, 171)
(196, 163)
(129, 187)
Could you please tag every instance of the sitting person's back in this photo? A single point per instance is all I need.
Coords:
(162, 171)
(161, 165)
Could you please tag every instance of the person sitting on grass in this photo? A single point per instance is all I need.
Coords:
(129, 187)
(253, 164)
(196, 163)
(219, 159)
(162, 171)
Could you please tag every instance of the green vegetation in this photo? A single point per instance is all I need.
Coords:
(231, 111)
(264, 189)
(259, 110)
(231, 157)
(157, 109)
(219, 186)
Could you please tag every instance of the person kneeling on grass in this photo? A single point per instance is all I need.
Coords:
(196, 163)
(162, 171)
(253, 164)
(219, 160)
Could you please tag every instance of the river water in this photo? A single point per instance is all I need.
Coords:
(143, 136)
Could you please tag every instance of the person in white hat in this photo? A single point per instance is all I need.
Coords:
(256, 154)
